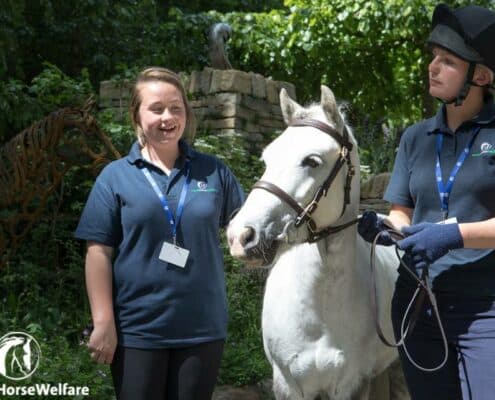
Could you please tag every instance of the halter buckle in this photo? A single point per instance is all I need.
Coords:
(306, 214)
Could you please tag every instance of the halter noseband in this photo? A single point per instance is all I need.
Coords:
(304, 214)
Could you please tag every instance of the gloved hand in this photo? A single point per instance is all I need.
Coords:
(427, 242)
(371, 225)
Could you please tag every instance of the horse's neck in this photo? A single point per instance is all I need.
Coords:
(330, 261)
(340, 257)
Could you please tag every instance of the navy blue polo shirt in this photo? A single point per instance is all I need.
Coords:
(157, 304)
(413, 184)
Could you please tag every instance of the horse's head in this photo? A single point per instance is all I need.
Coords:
(308, 184)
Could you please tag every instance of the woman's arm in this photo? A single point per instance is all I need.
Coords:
(399, 216)
(103, 339)
(478, 235)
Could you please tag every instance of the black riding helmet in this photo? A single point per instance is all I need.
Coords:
(469, 33)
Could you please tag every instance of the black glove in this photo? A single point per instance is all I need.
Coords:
(371, 225)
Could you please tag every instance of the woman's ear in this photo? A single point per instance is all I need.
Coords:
(482, 75)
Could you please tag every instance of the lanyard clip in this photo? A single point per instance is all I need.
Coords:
(445, 215)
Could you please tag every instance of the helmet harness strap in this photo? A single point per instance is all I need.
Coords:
(461, 96)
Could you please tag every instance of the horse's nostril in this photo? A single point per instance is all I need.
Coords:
(247, 235)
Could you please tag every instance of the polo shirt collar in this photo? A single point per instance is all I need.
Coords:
(135, 152)
(485, 116)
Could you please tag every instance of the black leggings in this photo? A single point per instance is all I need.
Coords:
(186, 373)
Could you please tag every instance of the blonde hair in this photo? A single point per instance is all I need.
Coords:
(153, 74)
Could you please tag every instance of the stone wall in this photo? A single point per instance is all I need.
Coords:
(372, 192)
(227, 102)
(233, 102)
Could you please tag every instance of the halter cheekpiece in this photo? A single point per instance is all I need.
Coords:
(304, 213)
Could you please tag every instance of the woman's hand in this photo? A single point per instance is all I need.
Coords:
(103, 339)
(371, 225)
(427, 242)
(103, 342)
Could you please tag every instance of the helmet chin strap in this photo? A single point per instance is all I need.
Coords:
(461, 96)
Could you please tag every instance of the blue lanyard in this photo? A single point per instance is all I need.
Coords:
(444, 191)
(180, 208)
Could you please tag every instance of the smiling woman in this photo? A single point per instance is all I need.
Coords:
(160, 117)
(159, 310)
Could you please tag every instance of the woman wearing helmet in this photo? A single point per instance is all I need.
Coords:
(442, 192)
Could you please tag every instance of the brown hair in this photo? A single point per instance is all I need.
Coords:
(152, 74)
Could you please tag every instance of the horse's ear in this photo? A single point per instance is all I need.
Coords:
(288, 106)
(329, 105)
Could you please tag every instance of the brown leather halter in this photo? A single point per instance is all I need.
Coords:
(304, 213)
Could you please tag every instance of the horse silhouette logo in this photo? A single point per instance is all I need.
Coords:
(202, 185)
(486, 147)
(20, 355)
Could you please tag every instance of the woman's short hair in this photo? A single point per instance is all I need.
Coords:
(153, 74)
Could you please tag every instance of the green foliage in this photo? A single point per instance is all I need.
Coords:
(18, 109)
(118, 128)
(236, 152)
(378, 144)
(65, 362)
(98, 35)
(21, 104)
(244, 361)
(195, 6)
(11, 24)
(44, 295)
(369, 53)
(54, 89)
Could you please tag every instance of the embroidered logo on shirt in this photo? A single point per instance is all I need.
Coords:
(485, 148)
(203, 187)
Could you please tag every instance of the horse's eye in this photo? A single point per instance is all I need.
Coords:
(311, 161)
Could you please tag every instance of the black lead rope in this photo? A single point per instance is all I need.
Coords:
(422, 291)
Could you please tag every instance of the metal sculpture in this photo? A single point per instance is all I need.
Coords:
(219, 35)
(33, 165)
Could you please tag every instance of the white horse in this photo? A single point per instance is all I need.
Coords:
(318, 329)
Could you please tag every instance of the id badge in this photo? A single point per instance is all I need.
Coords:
(174, 254)
(452, 220)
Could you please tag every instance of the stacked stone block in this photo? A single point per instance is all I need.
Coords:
(232, 102)
(115, 96)
(372, 194)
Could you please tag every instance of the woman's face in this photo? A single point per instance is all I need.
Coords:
(162, 113)
(447, 74)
